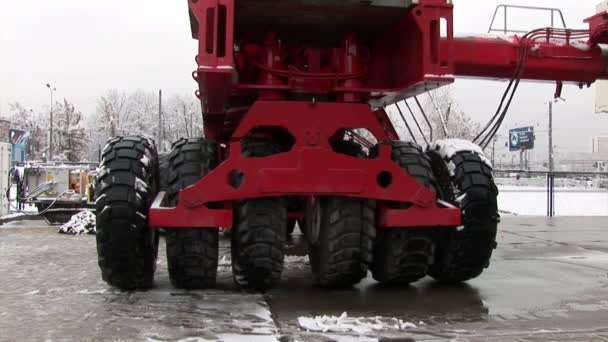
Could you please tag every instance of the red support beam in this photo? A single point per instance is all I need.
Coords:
(555, 60)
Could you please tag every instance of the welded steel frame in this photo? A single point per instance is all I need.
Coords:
(310, 168)
(507, 30)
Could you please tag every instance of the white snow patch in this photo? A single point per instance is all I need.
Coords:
(451, 168)
(439, 76)
(508, 38)
(545, 331)
(86, 291)
(243, 337)
(145, 160)
(532, 201)
(140, 185)
(357, 325)
(297, 259)
(290, 261)
(580, 44)
(225, 262)
(81, 223)
(12, 216)
(448, 148)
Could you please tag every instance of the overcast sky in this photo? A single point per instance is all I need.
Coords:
(87, 47)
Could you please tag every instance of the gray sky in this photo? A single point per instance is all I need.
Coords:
(87, 47)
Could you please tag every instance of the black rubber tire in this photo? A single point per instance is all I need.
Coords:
(342, 255)
(403, 255)
(349, 148)
(259, 234)
(125, 188)
(258, 243)
(192, 254)
(463, 254)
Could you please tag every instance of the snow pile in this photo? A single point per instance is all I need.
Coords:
(507, 38)
(11, 217)
(81, 223)
(358, 325)
(448, 148)
(581, 44)
(224, 262)
(301, 260)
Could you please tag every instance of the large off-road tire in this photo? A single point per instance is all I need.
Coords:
(341, 253)
(259, 233)
(258, 243)
(349, 148)
(125, 188)
(463, 253)
(404, 255)
(192, 253)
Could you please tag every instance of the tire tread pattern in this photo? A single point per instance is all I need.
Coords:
(125, 188)
(404, 255)
(464, 254)
(344, 252)
(192, 254)
(258, 242)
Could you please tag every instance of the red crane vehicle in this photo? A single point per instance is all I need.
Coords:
(286, 88)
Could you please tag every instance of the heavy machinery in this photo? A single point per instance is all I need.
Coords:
(288, 88)
(57, 190)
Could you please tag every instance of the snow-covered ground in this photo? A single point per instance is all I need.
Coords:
(532, 201)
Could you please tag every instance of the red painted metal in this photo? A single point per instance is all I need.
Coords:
(310, 168)
(420, 217)
(598, 28)
(272, 53)
(315, 77)
(497, 57)
(215, 19)
(350, 63)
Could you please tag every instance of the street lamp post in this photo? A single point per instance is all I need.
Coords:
(52, 90)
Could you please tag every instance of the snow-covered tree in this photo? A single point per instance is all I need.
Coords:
(442, 112)
(136, 113)
(110, 110)
(119, 113)
(183, 118)
(69, 134)
(458, 123)
(140, 116)
(33, 122)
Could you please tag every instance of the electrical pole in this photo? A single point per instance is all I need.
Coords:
(51, 89)
(551, 177)
(551, 136)
(160, 117)
(494, 150)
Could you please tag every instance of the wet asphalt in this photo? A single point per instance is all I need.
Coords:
(548, 282)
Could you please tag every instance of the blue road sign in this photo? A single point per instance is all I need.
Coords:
(521, 139)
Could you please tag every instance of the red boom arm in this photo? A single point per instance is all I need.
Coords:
(549, 58)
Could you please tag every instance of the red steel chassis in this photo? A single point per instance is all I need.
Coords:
(417, 54)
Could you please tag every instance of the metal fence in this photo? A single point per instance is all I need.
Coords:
(550, 181)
